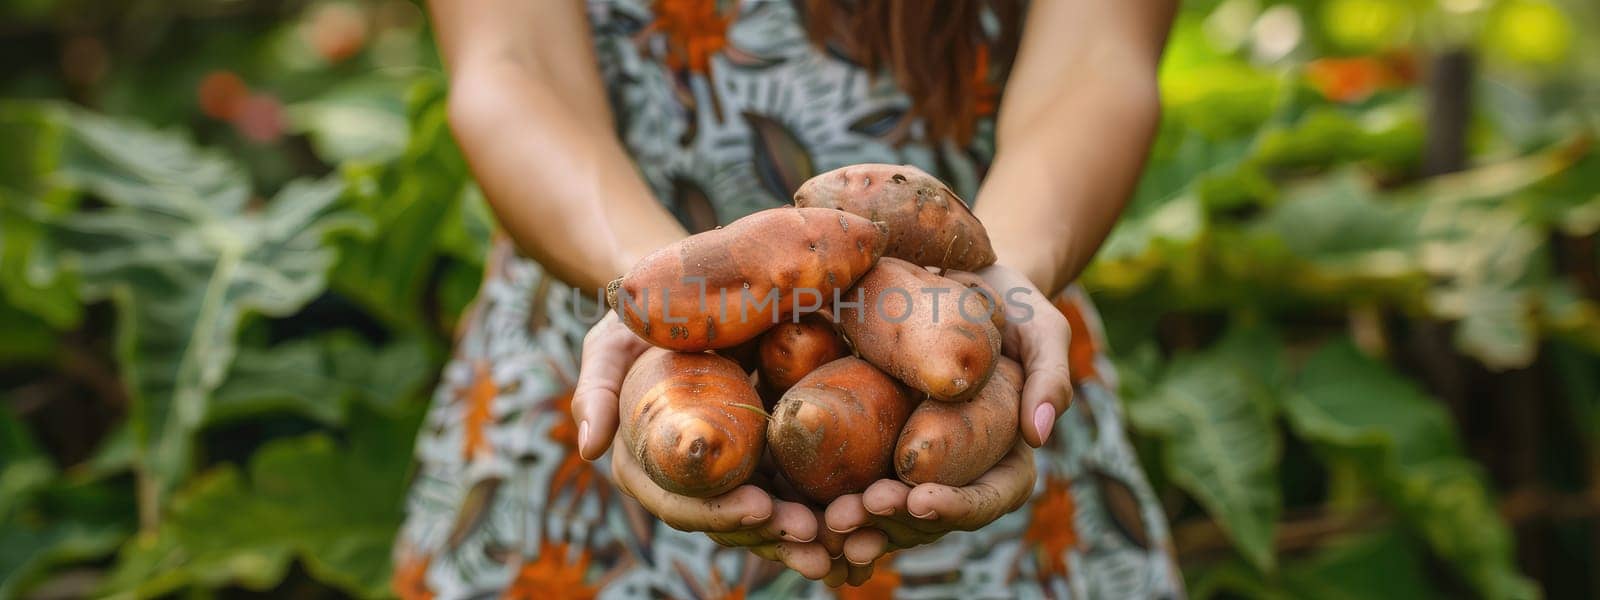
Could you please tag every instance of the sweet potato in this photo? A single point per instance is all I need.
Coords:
(719, 288)
(940, 342)
(983, 290)
(952, 443)
(692, 420)
(928, 224)
(833, 433)
(792, 350)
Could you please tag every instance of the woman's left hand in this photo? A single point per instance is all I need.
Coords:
(1037, 336)
(891, 515)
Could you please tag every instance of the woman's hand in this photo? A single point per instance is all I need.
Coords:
(891, 515)
(1037, 336)
(746, 517)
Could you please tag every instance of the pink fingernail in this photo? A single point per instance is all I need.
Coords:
(929, 516)
(583, 436)
(1044, 419)
(752, 520)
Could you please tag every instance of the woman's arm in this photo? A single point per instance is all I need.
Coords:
(531, 115)
(1078, 116)
(1080, 110)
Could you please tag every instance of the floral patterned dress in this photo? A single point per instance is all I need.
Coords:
(726, 108)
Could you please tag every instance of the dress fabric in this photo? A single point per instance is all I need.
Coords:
(725, 108)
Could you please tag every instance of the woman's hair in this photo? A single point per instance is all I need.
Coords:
(938, 51)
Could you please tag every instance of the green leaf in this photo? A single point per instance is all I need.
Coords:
(1380, 564)
(412, 200)
(45, 521)
(362, 120)
(24, 470)
(184, 257)
(1357, 410)
(1214, 412)
(30, 277)
(334, 507)
(319, 377)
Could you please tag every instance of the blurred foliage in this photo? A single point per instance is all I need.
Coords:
(235, 236)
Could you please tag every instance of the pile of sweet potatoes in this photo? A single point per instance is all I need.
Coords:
(844, 338)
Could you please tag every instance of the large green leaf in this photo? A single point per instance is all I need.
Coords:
(334, 507)
(30, 278)
(1214, 411)
(44, 520)
(319, 377)
(360, 120)
(184, 255)
(1404, 443)
(1381, 564)
(412, 200)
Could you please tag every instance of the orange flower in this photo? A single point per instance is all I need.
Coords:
(1081, 351)
(1052, 531)
(573, 469)
(410, 580)
(552, 577)
(694, 32)
(1351, 79)
(479, 396)
(882, 584)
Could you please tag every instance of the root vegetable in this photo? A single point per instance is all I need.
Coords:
(833, 433)
(928, 224)
(983, 290)
(692, 420)
(790, 351)
(952, 443)
(722, 287)
(918, 327)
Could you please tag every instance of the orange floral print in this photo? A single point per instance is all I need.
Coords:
(882, 584)
(713, 589)
(479, 397)
(410, 580)
(573, 470)
(1081, 351)
(552, 577)
(694, 32)
(1052, 531)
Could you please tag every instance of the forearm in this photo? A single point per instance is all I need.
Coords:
(560, 183)
(1080, 110)
(529, 111)
(1057, 185)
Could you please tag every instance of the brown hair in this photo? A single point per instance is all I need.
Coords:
(936, 50)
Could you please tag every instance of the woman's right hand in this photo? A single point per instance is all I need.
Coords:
(746, 517)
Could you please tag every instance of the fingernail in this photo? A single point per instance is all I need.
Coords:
(791, 537)
(830, 528)
(931, 515)
(883, 512)
(583, 437)
(859, 564)
(751, 520)
(1044, 419)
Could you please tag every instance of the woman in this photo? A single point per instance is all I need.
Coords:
(602, 131)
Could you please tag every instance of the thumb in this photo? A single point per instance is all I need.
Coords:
(608, 351)
(1047, 375)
